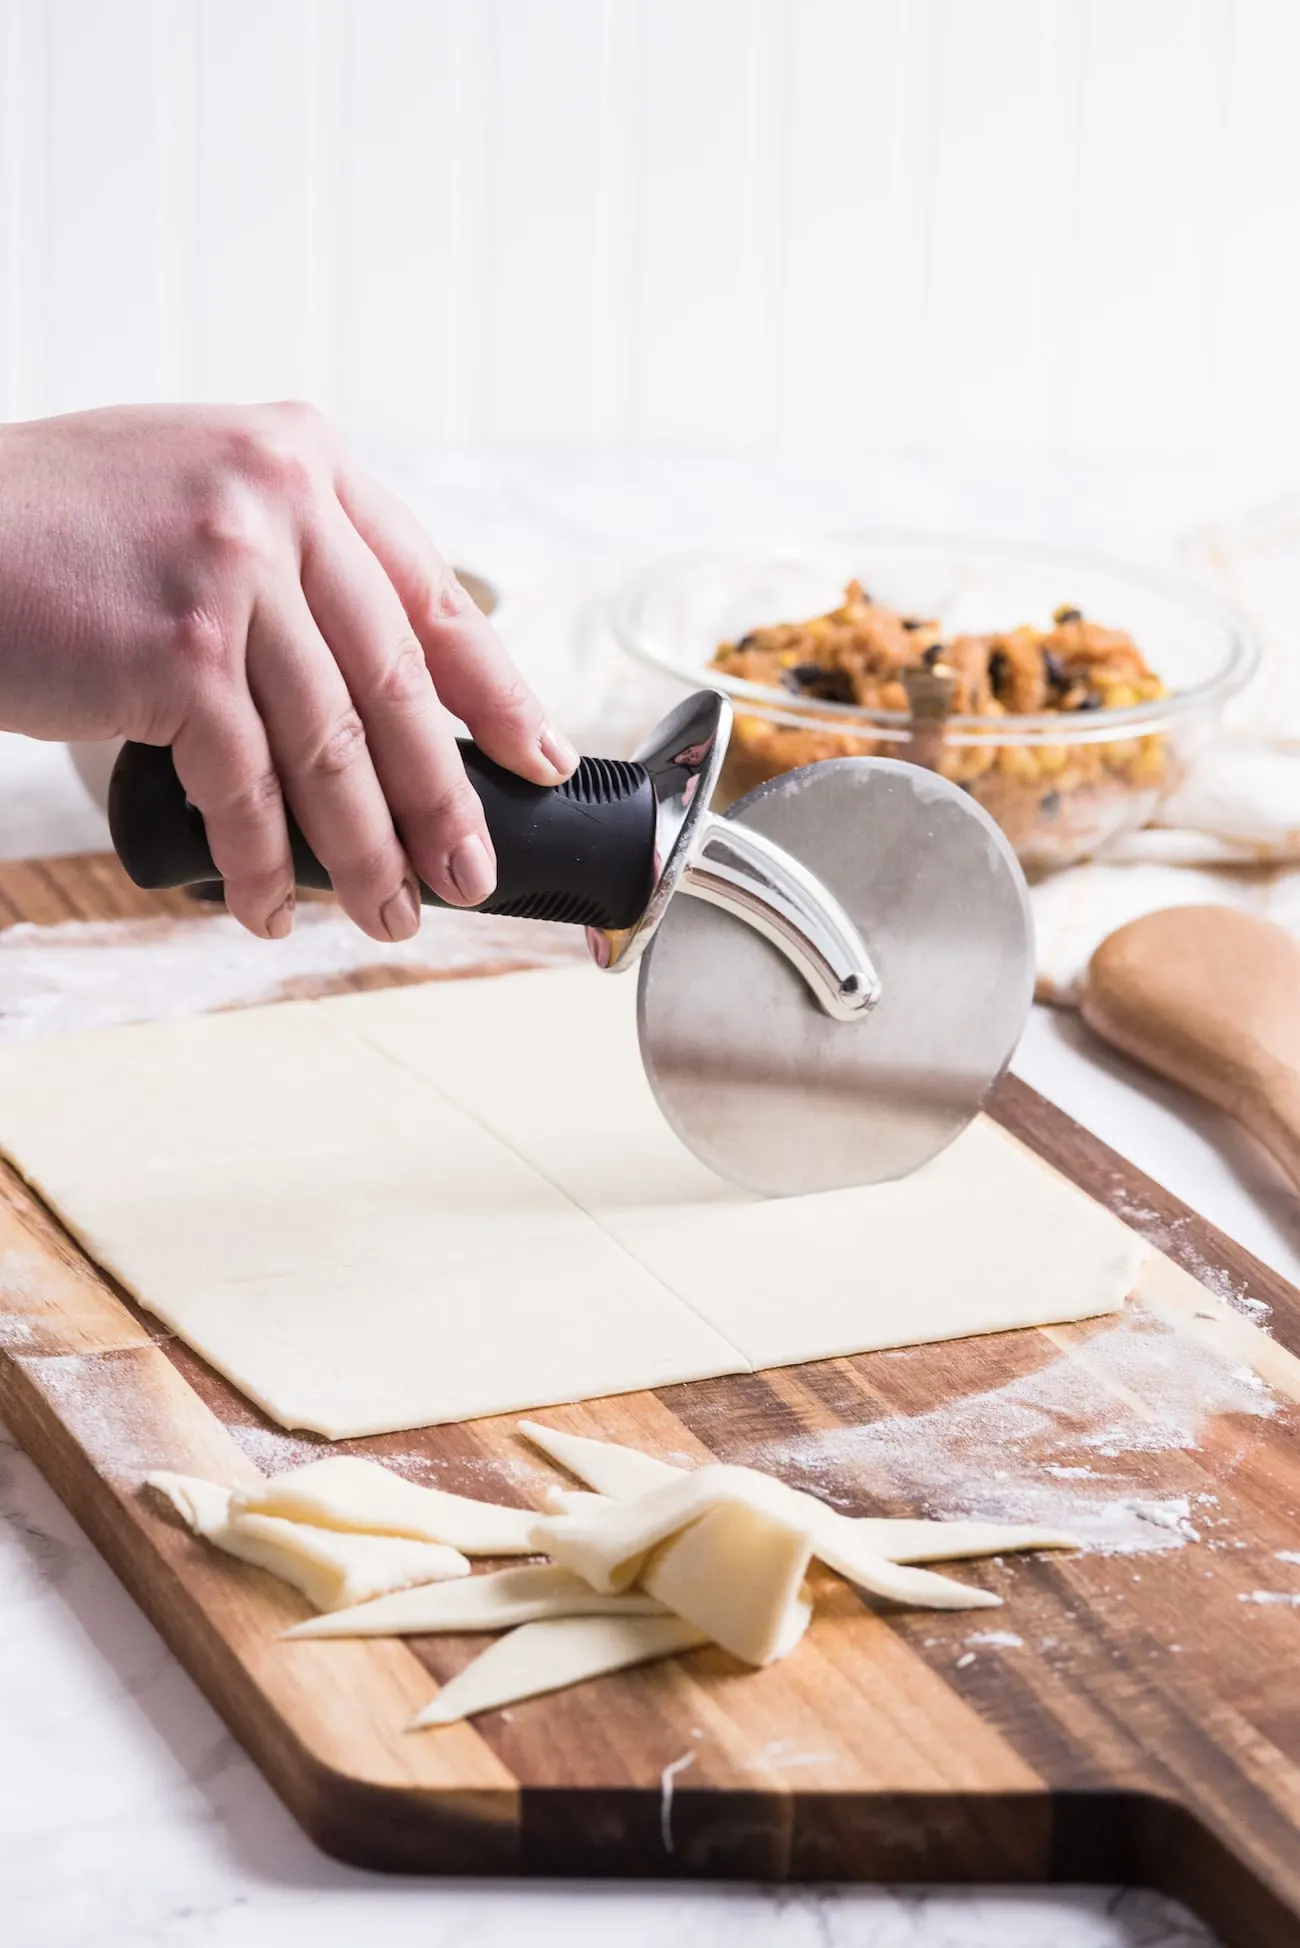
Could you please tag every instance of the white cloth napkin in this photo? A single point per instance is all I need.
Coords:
(1230, 834)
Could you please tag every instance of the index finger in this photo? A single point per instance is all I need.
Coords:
(467, 660)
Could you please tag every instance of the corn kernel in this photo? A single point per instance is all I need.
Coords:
(1015, 762)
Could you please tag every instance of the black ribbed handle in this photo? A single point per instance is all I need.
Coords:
(582, 852)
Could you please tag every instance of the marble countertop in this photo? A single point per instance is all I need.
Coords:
(128, 1815)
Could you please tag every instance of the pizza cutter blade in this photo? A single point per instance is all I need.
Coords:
(831, 977)
(765, 1082)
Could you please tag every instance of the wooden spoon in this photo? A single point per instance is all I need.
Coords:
(1211, 998)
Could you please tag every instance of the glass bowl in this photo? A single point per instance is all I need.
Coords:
(1060, 784)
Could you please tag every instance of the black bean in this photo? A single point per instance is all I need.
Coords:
(813, 680)
(1091, 702)
(914, 622)
(746, 642)
(1050, 803)
(1055, 671)
(1067, 614)
(932, 655)
(999, 668)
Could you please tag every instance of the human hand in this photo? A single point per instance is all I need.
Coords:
(224, 580)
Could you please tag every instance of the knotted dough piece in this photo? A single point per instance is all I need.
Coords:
(344, 1491)
(619, 1472)
(333, 1570)
(728, 1549)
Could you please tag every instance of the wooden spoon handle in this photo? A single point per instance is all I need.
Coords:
(1210, 998)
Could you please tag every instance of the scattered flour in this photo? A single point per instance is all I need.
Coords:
(1009, 1454)
(92, 974)
(996, 1639)
(1170, 1234)
(1287, 1555)
(1286, 1599)
(100, 1398)
(275, 1453)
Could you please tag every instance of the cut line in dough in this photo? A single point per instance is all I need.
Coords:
(333, 1570)
(497, 1600)
(540, 1657)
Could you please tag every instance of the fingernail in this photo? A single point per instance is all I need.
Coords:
(400, 916)
(280, 923)
(474, 873)
(558, 752)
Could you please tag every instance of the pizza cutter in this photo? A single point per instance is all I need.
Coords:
(832, 975)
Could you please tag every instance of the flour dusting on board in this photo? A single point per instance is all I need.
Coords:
(91, 974)
(100, 1398)
(1008, 1454)
(1176, 1235)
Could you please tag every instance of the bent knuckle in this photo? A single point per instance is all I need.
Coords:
(340, 750)
(440, 597)
(271, 455)
(240, 804)
(455, 806)
(203, 641)
(406, 677)
(231, 529)
(256, 797)
(300, 413)
(366, 874)
(513, 704)
(260, 891)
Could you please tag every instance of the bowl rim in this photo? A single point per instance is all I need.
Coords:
(1245, 647)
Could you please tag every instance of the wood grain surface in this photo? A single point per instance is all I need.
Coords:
(1137, 1722)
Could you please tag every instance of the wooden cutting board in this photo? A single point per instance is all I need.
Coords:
(1131, 1717)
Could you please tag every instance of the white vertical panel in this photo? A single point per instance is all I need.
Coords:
(327, 147)
(1257, 366)
(28, 206)
(861, 149)
(714, 106)
(178, 361)
(254, 277)
(403, 81)
(105, 328)
(1068, 226)
(10, 298)
(546, 295)
(1148, 229)
(1005, 115)
(615, 354)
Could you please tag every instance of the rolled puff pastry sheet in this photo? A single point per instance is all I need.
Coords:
(353, 1252)
(399, 1208)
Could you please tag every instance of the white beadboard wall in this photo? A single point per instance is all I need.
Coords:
(1064, 227)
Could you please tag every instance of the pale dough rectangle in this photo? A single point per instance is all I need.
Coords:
(368, 1258)
(434, 1203)
(984, 1238)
